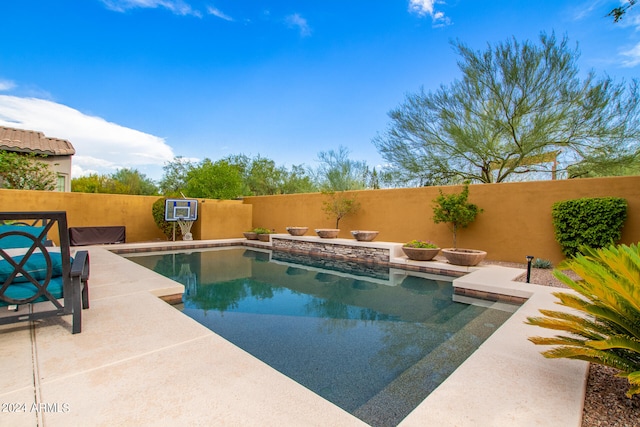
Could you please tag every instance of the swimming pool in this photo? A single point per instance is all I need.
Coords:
(374, 341)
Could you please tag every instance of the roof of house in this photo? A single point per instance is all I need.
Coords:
(30, 141)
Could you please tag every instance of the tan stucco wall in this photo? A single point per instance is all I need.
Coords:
(222, 219)
(516, 220)
(216, 219)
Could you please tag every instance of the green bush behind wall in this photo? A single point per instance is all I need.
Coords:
(591, 221)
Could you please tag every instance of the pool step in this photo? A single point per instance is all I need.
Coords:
(401, 396)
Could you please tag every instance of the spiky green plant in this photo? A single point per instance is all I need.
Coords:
(608, 330)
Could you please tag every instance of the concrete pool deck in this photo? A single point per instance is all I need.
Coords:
(139, 361)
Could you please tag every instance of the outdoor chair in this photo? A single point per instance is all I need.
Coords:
(38, 279)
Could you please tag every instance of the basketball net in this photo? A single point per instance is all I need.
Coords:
(185, 229)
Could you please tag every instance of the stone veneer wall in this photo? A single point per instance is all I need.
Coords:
(320, 248)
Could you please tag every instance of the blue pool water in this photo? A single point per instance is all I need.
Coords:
(374, 341)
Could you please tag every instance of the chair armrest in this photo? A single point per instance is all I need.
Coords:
(80, 266)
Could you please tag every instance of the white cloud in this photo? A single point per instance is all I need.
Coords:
(6, 85)
(219, 14)
(427, 7)
(101, 146)
(632, 55)
(179, 7)
(297, 21)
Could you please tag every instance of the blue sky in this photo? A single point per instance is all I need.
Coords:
(133, 83)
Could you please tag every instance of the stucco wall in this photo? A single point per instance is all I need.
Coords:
(516, 220)
(216, 220)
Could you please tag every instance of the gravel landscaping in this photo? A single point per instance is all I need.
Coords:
(605, 403)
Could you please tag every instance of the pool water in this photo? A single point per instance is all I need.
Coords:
(374, 341)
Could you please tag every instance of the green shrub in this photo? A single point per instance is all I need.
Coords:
(542, 263)
(158, 216)
(423, 244)
(606, 329)
(260, 230)
(594, 222)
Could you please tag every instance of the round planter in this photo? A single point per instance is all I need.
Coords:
(327, 233)
(297, 231)
(364, 235)
(264, 237)
(420, 254)
(250, 235)
(464, 257)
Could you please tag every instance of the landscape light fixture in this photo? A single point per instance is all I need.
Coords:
(529, 259)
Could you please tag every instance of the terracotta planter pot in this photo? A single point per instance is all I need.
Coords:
(327, 233)
(464, 257)
(364, 236)
(297, 231)
(250, 235)
(264, 237)
(420, 254)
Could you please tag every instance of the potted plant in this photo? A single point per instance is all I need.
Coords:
(456, 210)
(263, 233)
(297, 231)
(250, 235)
(338, 206)
(420, 250)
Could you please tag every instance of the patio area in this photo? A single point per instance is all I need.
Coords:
(139, 361)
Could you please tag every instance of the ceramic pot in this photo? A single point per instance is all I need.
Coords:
(327, 233)
(364, 235)
(297, 231)
(250, 235)
(420, 254)
(464, 257)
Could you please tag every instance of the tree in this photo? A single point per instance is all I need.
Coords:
(174, 179)
(92, 183)
(340, 205)
(518, 109)
(131, 181)
(125, 181)
(25, 172)
(456, 210)
(260, 175)
(298, 180)
(219, 180)
(618, 12)
(339, 173)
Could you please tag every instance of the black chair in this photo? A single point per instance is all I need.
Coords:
(37, 279)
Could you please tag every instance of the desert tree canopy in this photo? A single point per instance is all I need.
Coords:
(518, 109)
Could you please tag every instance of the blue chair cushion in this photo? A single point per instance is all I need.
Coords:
(36, 266)
(19, 291)
(15, 241)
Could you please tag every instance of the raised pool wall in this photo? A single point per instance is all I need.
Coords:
(516, 220)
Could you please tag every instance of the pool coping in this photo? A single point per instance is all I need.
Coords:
(127, 366)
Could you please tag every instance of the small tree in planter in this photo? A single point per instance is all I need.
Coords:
(456, 210)
(339, 205)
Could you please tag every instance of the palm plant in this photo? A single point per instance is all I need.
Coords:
(608, 332)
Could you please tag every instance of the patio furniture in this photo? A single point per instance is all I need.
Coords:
(37, 279)
(83, 236)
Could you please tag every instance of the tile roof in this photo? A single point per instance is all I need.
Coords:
(30, 141)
